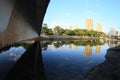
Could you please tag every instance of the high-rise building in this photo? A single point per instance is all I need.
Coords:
(89, 24)
(99, 27)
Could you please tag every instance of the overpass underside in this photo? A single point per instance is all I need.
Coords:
(20, 20)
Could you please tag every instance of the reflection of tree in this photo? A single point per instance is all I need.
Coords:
(68, 42)
(98, 48)
(25, 45)
(88, 50)
(44, 45)
(58, 44)
(84, 43)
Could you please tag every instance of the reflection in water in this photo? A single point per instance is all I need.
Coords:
(8, 58)
(29, 66)
(57, 44)
(73, 46)
(98, 48)
(62, 60)
(88, 50)
(88, 45)
(113, 43)
(45, 44)
(13, 53)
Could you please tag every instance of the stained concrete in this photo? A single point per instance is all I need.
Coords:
(109, 69)
(21, 20)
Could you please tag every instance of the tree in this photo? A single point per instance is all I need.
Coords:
(102, 34)
(77, 32)
(58, 30)
(58, 44)
(92, 33)
(85, 32)
(50, 32)
(82, 32)
(44, 29)
(69, 32)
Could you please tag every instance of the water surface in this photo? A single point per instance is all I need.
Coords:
(63, 60)
(71, 60)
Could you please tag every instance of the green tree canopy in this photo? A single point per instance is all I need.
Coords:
(46, 30)
(50, 32)
(58, 30)
(69, 32)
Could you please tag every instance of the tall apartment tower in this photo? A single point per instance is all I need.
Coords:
(99, 27)
(89, 24)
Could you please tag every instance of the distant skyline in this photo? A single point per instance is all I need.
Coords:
(69, 12)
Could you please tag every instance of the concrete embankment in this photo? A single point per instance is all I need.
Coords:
(109, 69)
(65, 37)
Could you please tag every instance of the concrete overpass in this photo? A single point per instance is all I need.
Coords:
(20, 20)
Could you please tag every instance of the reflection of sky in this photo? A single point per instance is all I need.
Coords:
(64, 62)
(12, 54)
(8, 59)
(53, 48)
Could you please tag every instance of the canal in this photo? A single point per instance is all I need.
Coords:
(62, 60)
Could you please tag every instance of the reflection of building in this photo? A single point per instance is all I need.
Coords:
(99, 27)
(111, 43)
(98, 48)
(89, 24)
(73, 46)
(88, 50)
(73, 27)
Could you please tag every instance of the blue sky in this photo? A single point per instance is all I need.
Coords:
(69, 12)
